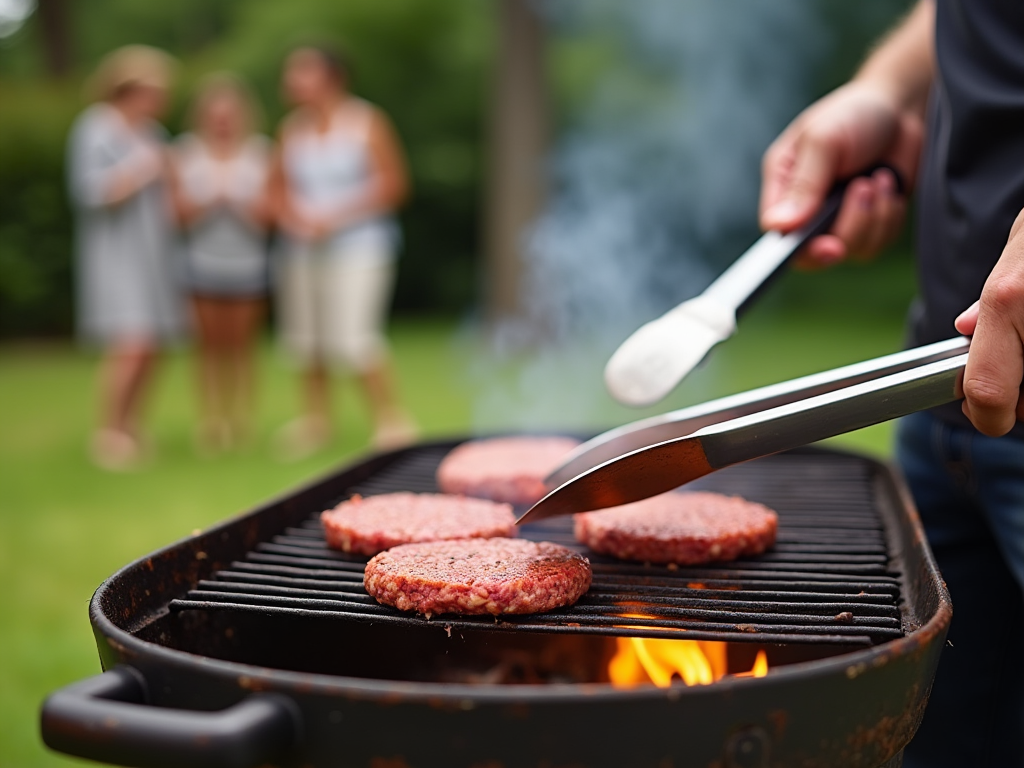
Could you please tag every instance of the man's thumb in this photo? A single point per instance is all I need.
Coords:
(812, 175)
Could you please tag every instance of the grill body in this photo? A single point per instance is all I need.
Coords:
(332, 684)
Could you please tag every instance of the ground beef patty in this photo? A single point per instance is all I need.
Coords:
(508, 469)
(683, 528)
(478, 576)
(375, 523)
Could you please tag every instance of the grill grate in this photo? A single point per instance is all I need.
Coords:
(829, 578)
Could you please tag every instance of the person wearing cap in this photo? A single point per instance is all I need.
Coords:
(941, 100)
(127, 297)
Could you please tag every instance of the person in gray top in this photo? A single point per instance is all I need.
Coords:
(127, 298)
(219, 186)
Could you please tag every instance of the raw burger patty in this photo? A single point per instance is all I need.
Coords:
(508, 469)
(478, 576)
(375, 523)
(684, 528)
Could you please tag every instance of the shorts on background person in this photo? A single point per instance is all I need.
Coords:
(333, 305)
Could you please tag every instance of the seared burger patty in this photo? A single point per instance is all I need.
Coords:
(375, 523)
(478, 576)
(508, 469)
(683, 528)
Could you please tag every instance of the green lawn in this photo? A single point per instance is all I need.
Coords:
(65, 526)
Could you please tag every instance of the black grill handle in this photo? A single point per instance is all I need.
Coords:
(826, 215)
(820, 224)
(105, 718)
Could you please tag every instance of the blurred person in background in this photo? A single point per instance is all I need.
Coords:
(127, 294)
(339, 175)
(944, 93)
(219, 183)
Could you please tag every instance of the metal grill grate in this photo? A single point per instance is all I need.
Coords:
(829, 578)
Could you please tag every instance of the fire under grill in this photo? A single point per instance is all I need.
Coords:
(830, 579)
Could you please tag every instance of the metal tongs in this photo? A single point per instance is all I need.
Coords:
(658, 355)
(658, 454)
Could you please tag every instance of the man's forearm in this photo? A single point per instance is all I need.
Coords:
(903, 64)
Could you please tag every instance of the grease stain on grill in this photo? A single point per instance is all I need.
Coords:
(829, 579)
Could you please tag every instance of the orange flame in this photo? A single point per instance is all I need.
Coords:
(696, 662)
(760, 668)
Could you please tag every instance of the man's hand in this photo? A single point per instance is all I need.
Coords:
(878, 117)
(995, 365)
(852, 128)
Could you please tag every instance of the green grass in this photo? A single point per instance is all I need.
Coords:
(65, 526)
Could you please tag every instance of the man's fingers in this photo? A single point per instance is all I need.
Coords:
(897, 214)
(775, 171)
(968, 319)
(1019, 412)
(991, 396)
(822, 251)
(888, 214)
(871, 215)
(995, 365)
(1018, 415)
(803, 188)
(855, 220)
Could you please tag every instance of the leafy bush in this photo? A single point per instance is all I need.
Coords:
(425, 64)
(35, 223)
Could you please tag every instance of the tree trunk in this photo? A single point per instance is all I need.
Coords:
(53, 28)
(518, 134)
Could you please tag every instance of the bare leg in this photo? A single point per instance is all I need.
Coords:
(204, 374)
(359, 318)
(309, 433)
(318, 393)
(125, 372)
(393, 427)
(245, 318)
(211, 371)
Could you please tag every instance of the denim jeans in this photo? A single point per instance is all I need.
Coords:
(969, 491)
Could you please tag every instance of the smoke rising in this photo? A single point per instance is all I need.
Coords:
(654, 186)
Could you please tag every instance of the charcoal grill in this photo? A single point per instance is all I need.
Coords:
(252, 644)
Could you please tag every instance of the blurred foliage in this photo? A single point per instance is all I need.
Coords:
(35, 220)
(425, 63)
(842, 32)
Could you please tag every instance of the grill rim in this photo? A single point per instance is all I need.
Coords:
(118, 645)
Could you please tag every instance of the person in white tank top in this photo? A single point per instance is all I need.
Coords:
(219, 187)
(337, 179)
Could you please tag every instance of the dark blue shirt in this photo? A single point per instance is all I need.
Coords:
(971, 186)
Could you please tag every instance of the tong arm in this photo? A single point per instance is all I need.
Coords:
(675, 424)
